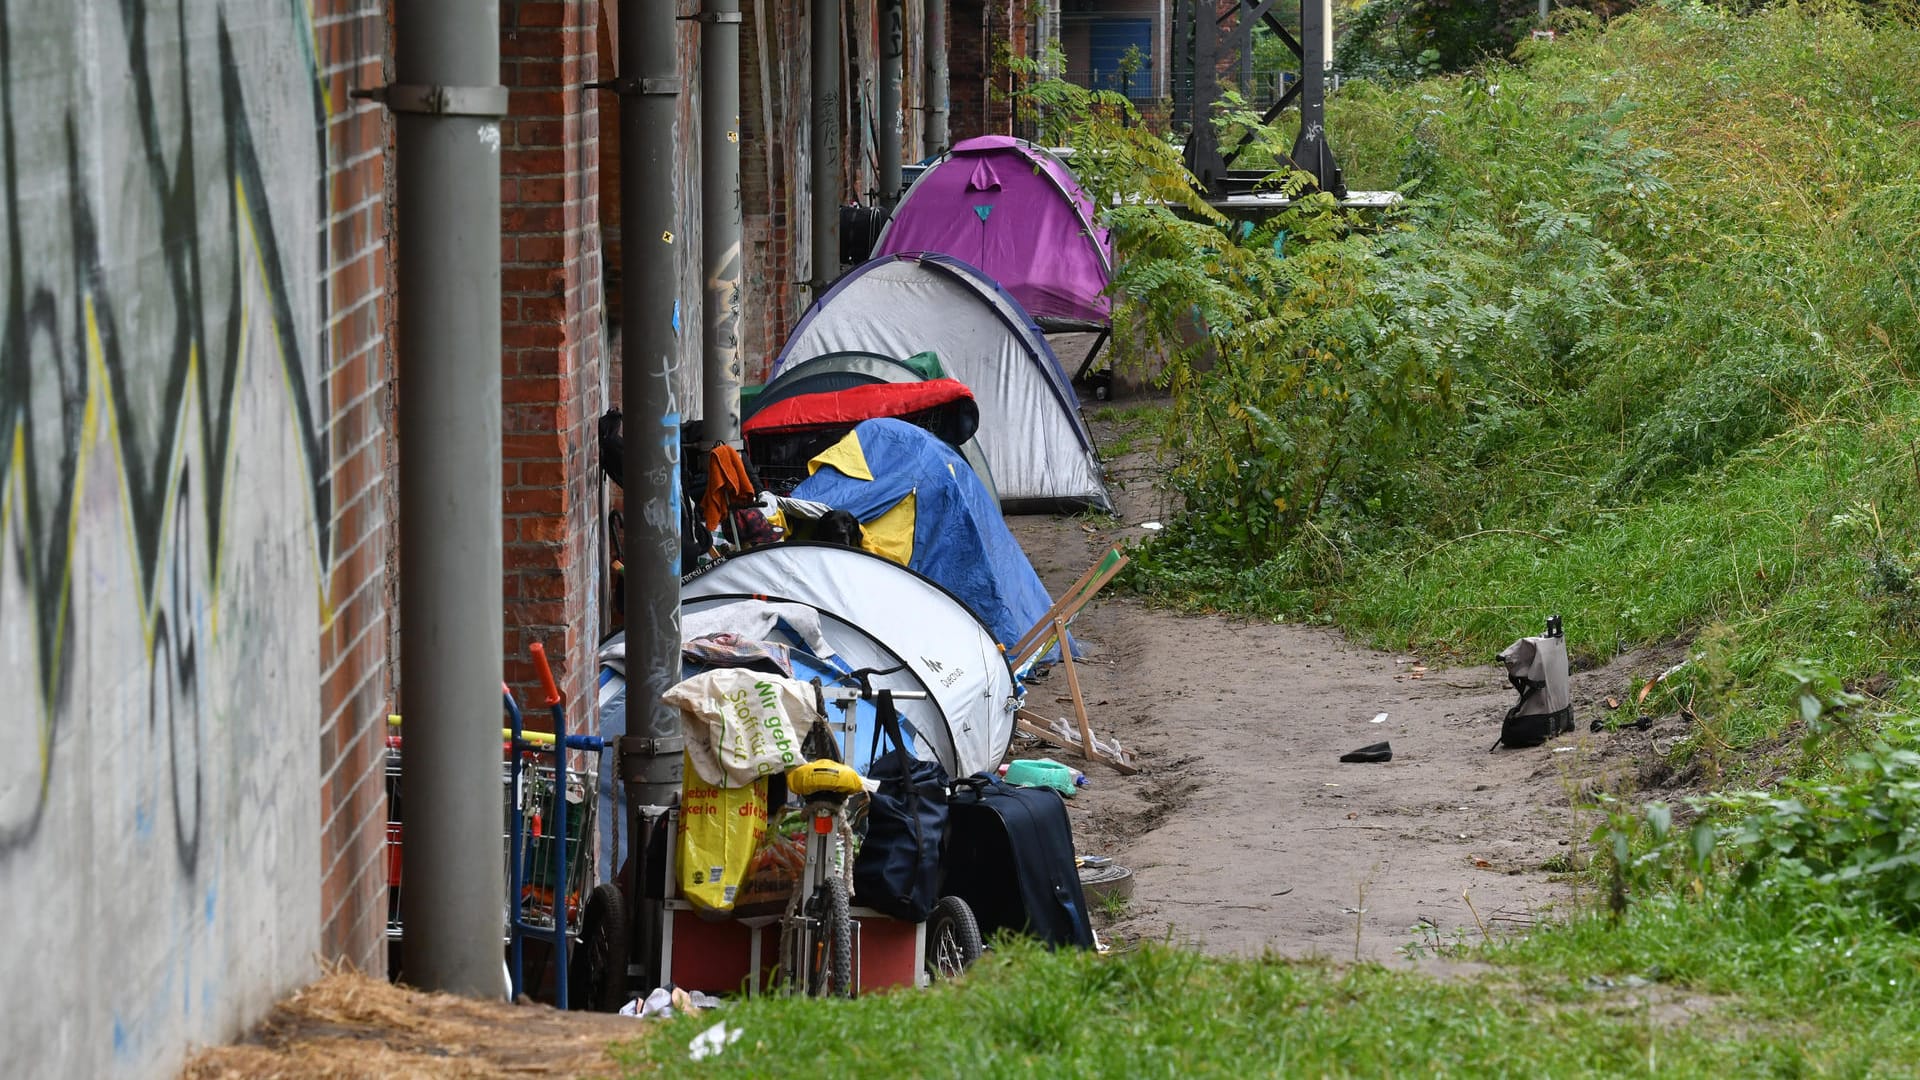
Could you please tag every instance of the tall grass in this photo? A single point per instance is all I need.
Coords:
(1670, 270)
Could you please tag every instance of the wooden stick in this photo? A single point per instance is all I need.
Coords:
(1093, 590)
(1035, 641)
(1073, 688)
(1046, 620)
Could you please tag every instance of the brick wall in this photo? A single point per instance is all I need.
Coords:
(553, 359)
(352, 36)
(776, 132)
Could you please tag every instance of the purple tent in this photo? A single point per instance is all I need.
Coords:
(1014, 211)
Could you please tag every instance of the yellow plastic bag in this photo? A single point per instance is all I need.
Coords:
(720, 829)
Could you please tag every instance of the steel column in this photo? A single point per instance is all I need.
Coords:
(934, 15)
(1311, 150)
(1215, 37)
(649, 87)
(447, 102)
(893, 48)
(828, 177)
(720, 218)
(1203, 139)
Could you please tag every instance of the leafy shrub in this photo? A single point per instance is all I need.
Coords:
(1846, 840)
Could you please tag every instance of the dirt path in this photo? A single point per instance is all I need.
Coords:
(1244, 830)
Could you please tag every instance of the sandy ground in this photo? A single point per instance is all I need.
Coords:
(1244, 830)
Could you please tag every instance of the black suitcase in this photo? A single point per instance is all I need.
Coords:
(1010, 857)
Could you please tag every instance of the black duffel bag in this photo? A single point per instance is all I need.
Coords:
(898, 870)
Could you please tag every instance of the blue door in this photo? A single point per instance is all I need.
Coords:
(1108, 41)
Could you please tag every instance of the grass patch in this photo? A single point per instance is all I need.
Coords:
(1729, 992)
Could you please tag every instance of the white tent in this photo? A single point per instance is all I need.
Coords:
(968, 724)
(1031, 432)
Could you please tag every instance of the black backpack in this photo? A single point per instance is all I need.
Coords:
(898, 870)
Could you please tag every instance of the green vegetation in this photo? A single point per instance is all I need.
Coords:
(1640, 351)
(1678, 994)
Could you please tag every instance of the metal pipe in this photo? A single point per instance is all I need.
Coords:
(649, 88)
(893, 51)
(828, 177)
(447, 102)
(720, 218)
(935, 16)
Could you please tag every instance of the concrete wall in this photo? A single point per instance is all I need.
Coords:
(191, 360)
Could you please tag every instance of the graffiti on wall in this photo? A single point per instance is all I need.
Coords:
(165, 518)
(126, 299)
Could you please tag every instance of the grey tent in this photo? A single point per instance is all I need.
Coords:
(1031, 431)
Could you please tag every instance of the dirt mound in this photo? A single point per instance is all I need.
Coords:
(349, 1026)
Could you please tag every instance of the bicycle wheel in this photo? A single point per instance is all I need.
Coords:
(953, 939)
(829, 971)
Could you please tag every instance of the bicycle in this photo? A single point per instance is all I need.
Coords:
(816, 933)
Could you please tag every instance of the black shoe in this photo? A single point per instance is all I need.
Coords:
(1377, 752)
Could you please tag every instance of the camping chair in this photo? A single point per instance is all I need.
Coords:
(1052, 630)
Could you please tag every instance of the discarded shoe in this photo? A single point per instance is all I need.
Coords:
(1377, 752)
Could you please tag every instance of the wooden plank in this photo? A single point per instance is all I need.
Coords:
(1073, 688)
(1077, 596)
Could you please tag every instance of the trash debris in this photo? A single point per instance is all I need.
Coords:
(1601, 983)
(712, 1041)
(1613, 702)
(1152, 526)
(1111, 748)
(1565, 749)
(1481, 863)
(1660, 678)
(1377, 752)
(666, 1003)
(1379, 719)
(1043, 772)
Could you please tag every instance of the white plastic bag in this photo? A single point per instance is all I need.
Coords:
(740, 724)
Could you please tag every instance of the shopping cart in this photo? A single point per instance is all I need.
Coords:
(542, 819)
(549, 866)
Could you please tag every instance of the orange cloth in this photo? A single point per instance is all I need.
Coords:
(728, 485)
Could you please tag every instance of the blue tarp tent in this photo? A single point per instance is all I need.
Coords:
(922, 506)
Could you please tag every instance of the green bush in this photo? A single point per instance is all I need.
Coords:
(1646, 325)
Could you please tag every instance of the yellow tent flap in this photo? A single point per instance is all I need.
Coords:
(890, 535)
(844, 455)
